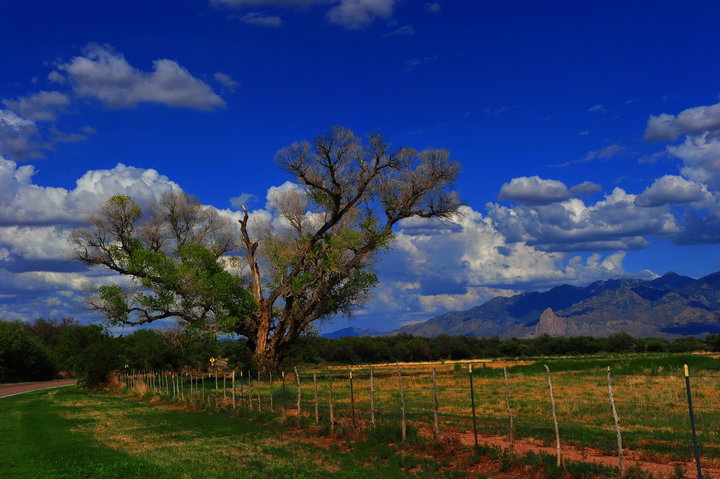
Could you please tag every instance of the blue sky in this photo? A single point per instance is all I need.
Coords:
(587, 131)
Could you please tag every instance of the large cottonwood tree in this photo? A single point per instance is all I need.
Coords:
(314, 260)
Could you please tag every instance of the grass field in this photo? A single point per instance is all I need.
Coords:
(71, 433)
(649, 392)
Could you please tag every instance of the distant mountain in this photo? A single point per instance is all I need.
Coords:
(353, 332)
(669, 306)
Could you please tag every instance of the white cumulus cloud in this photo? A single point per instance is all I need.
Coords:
(105, 74)
(534, 190)
(615, 222)
(40, 106)
(671, 189)
(17, 136)
(692, 121)
(25, 203)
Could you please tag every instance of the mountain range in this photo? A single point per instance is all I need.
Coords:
(669, 306)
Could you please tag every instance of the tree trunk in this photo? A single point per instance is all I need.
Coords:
(265, 352)
(266, 358)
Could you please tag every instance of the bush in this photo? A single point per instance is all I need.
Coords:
(90, 352)
(22, 356)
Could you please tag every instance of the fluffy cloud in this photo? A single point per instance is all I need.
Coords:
(356, 14)
(585, 188)
(534, 190)
(692, 121)
(35, 222)
(699, 185)
(701, 159)
(440, 266)
(17, 136)
(671, 189)
(41, 106)
(35, 243)
(615, 222)
(24, 203)
(537, 191)
(104, 74)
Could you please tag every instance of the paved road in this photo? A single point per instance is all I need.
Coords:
(18, 388)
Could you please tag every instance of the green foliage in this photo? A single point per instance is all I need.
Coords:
(146, 349)
(90, 352)
(23, 357)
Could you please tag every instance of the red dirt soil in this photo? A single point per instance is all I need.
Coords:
(632, 458)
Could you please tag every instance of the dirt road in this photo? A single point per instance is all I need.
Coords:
(18, 388)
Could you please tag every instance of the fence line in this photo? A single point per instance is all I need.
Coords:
(508, 405)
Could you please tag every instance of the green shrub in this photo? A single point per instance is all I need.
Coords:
(22, 356)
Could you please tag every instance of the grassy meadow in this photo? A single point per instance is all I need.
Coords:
(71, 433)
(164, 426)
(649, 392)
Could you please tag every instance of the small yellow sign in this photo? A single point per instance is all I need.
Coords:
(212, 361)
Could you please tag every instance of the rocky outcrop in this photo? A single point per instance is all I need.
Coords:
(552, 324)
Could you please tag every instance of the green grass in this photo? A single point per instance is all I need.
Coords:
(70, 433)
(649, 392)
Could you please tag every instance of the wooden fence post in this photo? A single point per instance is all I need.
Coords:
(317, 413)
(233, 389)
(297, 380)
(249, 391)
(242, 396)
(372, 399)
(272, 406)
(696, 445)
(554, 415)
(258, 392)
(283, 394)
(621, 459)
(330, 403)
(507, 405)
(403, 423)
(472, 404)
(436, 429)
(352, 401)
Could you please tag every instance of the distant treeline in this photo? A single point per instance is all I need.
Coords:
(43, 348)
(406, 348)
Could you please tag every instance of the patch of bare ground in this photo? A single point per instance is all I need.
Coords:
(632, 458)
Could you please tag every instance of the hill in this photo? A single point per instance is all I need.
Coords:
(352, 332)
(670, 306)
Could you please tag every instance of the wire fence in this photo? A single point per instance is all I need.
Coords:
(661, 416)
